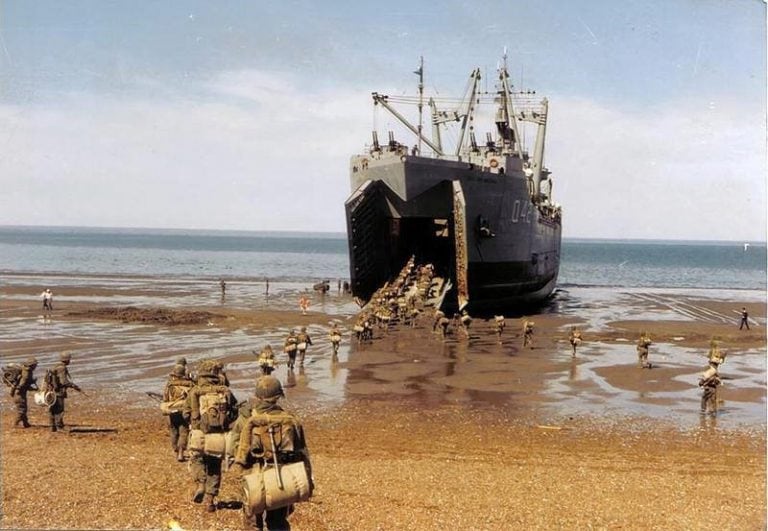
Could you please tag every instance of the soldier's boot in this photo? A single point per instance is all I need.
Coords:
(208, 504)
(197, 497)
(301, 359)
(180, 455)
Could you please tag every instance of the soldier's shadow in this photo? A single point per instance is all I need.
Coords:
(229, 504)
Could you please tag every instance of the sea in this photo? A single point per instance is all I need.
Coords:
(308, 257)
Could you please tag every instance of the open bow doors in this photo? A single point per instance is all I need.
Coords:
(460, 235)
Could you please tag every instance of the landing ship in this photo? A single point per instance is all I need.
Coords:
(481, 213)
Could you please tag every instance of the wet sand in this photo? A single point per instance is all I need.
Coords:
(398, 428)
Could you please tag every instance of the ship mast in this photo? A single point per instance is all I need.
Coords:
(470, 105)
(508, 110)
(420, 72)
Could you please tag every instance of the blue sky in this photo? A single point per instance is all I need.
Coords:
(243, 115)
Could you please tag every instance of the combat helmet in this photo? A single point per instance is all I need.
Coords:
(31, 362)
(179, 370)
(65, 357)
(269, 388)
(206, 367)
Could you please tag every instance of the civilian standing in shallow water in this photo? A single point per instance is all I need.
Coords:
(744, 319)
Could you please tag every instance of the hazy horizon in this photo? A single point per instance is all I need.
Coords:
(330, 234)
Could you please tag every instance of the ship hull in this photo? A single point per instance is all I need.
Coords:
(479, 227)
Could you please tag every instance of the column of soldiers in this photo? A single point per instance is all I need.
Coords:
(257, 435)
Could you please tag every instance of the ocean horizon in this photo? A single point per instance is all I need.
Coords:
(330, 234)
(310, 256)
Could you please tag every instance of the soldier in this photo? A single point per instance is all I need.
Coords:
(302, 342)
(574, 339)
(290, 348)
(499, 324)
(744, 318)
(223, 286)
(58, 381)
(175, 393)
(25, 383)
(528, 333)
(267, 435)
(267, 360)
(710, 381)
(642, 350)
(210, 407)
(335, 336)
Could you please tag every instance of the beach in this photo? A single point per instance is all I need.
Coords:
(410, 431)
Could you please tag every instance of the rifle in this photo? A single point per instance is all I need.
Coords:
(155, 396)
(77, 388)
(272, 429)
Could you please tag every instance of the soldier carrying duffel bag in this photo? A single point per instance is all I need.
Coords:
(273, 455)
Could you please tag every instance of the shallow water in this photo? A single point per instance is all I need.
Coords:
(413, 365)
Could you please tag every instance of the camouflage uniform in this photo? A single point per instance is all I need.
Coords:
(19, 391)
(206, 469)
(268, 391)
(61, 381)
(176, 388)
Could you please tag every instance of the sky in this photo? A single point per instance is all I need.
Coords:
(243, 115)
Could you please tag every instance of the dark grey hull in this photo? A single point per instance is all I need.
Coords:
(478, 227)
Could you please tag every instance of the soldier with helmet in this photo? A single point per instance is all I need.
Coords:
(289, 348)
(269, 438)
(176, 390)
(302, 342)
(25, 383)
(267, 360)
(60, 381)
(210, 406)
(528, 333)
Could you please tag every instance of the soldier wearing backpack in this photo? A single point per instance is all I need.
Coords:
(21, 379)
(289, 347)
(211, 408)
(271, 455)
(175, 393)
(302, 342)
(58, 380)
